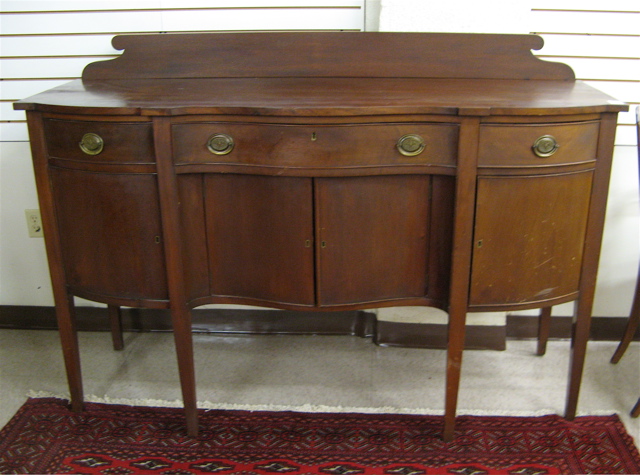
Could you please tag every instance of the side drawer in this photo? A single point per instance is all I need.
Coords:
(104, 142)
(509, 145)
(321, 146)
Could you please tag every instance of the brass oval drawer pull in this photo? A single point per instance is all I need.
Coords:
(220, 144)
(410, 145)
(545, 146)
(91, 144)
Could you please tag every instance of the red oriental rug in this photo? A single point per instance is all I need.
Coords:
(45, 437)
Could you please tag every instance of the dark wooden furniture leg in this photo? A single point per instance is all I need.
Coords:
(581, 328)
(65, 313)
(115, 321)
(183, 338)
(65, 308)
(635, 412)
(595, 224)
(544, 324)
(461, 262)
(180, 312)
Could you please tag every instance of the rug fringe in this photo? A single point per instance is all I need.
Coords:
(208, 405)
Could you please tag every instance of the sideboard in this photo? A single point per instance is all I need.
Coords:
(323, 170)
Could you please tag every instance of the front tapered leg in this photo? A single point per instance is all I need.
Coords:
(184, 348)
(65, 314)
(580, 337)
(173, 247)
(460, 264)
(454, 365)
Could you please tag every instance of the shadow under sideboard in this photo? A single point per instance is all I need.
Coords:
(357, 323)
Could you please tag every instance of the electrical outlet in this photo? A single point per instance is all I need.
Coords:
(34, 222)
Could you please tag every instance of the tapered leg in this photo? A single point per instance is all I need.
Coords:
(460, 266)
(171, 227)
(455, 349)
(580, 337)
(184, 348)
(591, 256)
(115, 321)
(635, 412)
(65, 313)
(65, 309)
(544, 323)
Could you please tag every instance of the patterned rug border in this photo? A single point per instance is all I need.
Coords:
(313, 408)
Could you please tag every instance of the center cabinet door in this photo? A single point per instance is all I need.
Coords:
(371, 238)
(260, 234)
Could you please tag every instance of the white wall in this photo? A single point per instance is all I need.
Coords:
(45, 43)
(456, 16)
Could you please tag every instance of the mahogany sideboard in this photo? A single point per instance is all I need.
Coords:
(327, 171)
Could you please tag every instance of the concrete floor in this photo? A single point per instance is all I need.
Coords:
(320, 372)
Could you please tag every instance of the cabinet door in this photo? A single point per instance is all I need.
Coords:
(529, 237)
(260, 238)
(110, 233)
(372, 238)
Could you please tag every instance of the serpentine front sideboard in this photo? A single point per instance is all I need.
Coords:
(327, 171)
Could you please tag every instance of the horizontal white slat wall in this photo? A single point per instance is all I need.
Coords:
(601, 42)
(44, 43)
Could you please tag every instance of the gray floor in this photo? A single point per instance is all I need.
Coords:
(326, 371)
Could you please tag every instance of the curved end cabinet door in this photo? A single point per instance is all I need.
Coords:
(111, 234)
(529, 238)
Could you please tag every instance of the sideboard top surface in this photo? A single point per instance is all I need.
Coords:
(325, 74)
(322, 97)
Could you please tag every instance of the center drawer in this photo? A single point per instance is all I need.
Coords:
(321, 146)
